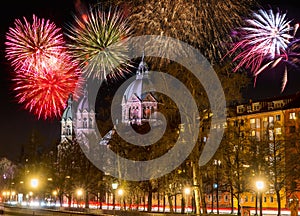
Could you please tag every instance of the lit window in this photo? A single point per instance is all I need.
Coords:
(258, 135)
(265, 122)
(277, 131)
(252, 123)
(271, 121)
(271, 135)
(292, 115)
(257, 123)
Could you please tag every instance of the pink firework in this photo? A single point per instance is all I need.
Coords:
(45, 93)
(30, 45)
(264, 42)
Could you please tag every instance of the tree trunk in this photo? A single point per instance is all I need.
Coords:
(231, 199)
(182, 204)
(150, 199)
(170, 203)
(196, 187)
(278, 203)
(202, 196)
(86, 199)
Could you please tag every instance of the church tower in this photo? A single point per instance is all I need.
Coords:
(85, 117)
(67, 132)
(80, 123)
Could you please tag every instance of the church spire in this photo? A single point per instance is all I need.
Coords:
(143, 67)
(70, 100)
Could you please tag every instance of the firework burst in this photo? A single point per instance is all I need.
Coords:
(97, 42)
(264, 42)
(30, 45)
(203, 24)
(44, 93)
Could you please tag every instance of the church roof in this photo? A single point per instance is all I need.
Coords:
(84, 103)
(68, 111)
(141, 85)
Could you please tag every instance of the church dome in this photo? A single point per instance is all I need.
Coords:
(142, 85)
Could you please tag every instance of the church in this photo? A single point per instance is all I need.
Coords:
(138, 107)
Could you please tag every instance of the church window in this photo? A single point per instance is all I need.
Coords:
(146, 113)
(68, 130)
(84, 123)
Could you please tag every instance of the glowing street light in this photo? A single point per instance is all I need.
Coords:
(187, 192)
(260, 186)
(120, 192)
(34, 183)
(114, 185)
(54, 193)
(79, 194)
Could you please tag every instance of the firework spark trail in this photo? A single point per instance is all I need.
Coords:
(264, 43)
(30, 45)
(44, 93)
(203, 24)
(97, 42)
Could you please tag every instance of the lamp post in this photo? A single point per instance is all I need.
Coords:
(259, 185)
(54, 194)
(187, 192)
(120, 194)
(217, 163)
(79, 194)
(114, 186)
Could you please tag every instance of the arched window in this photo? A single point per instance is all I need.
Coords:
(85, 124)
(68, 130)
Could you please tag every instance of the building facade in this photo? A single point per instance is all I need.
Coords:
(268, 131)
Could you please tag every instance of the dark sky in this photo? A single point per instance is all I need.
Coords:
(18, 124)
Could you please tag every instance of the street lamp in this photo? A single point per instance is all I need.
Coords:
(79, 194)
(54, 194)
(259, 185)
(34, 183)
(217, 163)
(114, 186)
(187, 192)
(120, 194)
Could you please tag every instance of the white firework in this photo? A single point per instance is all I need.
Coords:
(270, 32)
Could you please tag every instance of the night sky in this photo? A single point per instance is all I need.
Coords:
(18, 124)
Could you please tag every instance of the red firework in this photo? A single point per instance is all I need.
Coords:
(30, 45)
(45, 93)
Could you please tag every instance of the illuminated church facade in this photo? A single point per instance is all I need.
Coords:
(138, 107)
